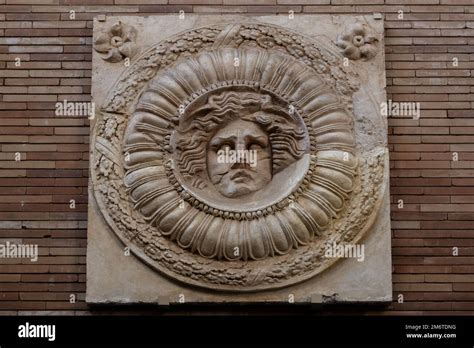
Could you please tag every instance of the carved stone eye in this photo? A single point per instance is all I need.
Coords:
(225, 147)
(255, 146)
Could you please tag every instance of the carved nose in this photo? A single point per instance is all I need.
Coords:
(240, 146)
(240, 165)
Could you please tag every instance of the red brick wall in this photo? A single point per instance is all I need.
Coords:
(55, 53)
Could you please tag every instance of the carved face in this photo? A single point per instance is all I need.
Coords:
(239, 159)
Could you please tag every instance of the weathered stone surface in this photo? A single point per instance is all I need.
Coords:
(296, 104)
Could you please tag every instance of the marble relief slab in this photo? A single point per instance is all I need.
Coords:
(238, 159)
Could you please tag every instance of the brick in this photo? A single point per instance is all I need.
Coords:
(38, 305)
(454, 278)
(10, 224)
(13, 173)
(438, 24)
(29, 98)
(417, 49)
(56, 172)
(77, 65)
(31, 32)
(408, 278)
(457, 32)
(58, 57)
(398, 41)
(13, 90)
(440, 89)
(436, 9)
(25, 130)
(9, 278)
(420, 182)
(404, 156)
(437, 156)
(57, 122)
(75, 82)
(249, 2)
(411, 2)
(15, 25)
(457, 16)
(24, 269)
(405, 224)
(12, 57)
(25, 199)
(31, 81)
(140, 2)
(164, 8)
(28, 147)
(423, 164)
(413, 32)
(29, 2)
(32, 17)
(418, 65)
(13, 8)
(66, 305)
(58, 73)
(45, 296)
(424, 269)
(422, 287)
(397, 24)
(398, 57)
(423, 199)
(71, 130)
(460, 113)
(13, 73)
(447, 139)
(52, 278)
(54, 225)
(443, 73)
(54, 90)
(463, 269)
(274, 9)
(59, 24)
(445, 224)
(447, 207)
(405, 139)
(55, 139)
(75, 32)
(14, 139)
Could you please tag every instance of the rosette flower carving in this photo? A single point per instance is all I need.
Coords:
(358, 42)
(116, 43)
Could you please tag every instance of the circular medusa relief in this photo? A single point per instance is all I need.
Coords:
(240, 149)
(226, 158)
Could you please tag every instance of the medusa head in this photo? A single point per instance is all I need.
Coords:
(237, 142)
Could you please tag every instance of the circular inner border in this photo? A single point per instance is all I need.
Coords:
(189, 193)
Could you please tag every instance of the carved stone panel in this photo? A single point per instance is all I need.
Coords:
(238, 159)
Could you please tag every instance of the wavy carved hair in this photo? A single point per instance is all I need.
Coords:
(286, 137)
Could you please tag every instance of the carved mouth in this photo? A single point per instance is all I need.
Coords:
(240, 175)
